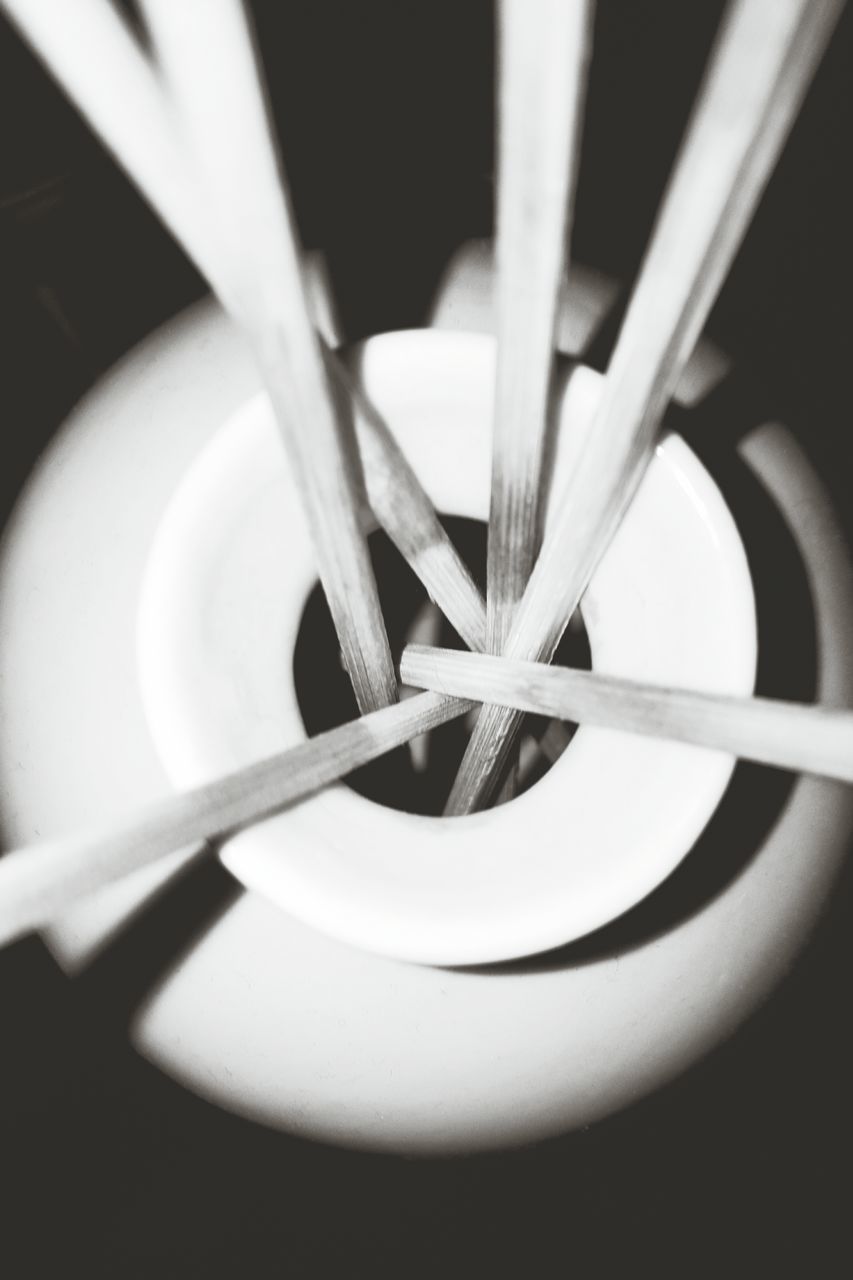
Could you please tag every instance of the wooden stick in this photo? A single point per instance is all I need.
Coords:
(38, 883)
(206, 49)
(759, 72)
(123, 102)
(788, 735)
(543, 53)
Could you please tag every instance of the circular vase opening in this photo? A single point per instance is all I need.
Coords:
(417, 778)
(223, 611)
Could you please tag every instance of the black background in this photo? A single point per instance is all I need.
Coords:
(385, 114)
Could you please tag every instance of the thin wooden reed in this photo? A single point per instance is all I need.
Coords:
(759, 71)
(788, 735)
(215, 78)
(543, 52)
(38, 883)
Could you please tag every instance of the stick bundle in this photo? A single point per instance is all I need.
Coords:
(202, 152)
(758, 74)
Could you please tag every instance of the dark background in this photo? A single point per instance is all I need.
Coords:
(385, 114)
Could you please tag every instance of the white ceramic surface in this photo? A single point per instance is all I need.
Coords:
(265, 1016)
(228, 577)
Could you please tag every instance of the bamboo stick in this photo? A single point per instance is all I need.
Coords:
(759, 71)
(38, 883)
(788, 735)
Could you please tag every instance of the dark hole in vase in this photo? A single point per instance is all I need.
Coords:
(417, 778)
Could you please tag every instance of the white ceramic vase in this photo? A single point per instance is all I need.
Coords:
(267, 1015)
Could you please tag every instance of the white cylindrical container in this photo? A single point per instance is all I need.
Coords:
(267, 1015)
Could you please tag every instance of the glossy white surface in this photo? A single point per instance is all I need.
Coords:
(230, 570)
(267, 1017)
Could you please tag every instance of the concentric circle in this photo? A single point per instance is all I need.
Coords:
(226, 583)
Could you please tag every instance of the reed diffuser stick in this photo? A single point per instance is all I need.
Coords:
(206, 50)
(38, 883)
(543, 53)
(788, 735)
(759, 71)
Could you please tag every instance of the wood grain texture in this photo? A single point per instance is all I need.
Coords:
(758, 73)
(215, 79)
(38, 883)
(543, 53)
(123, 102)
(788, 735)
